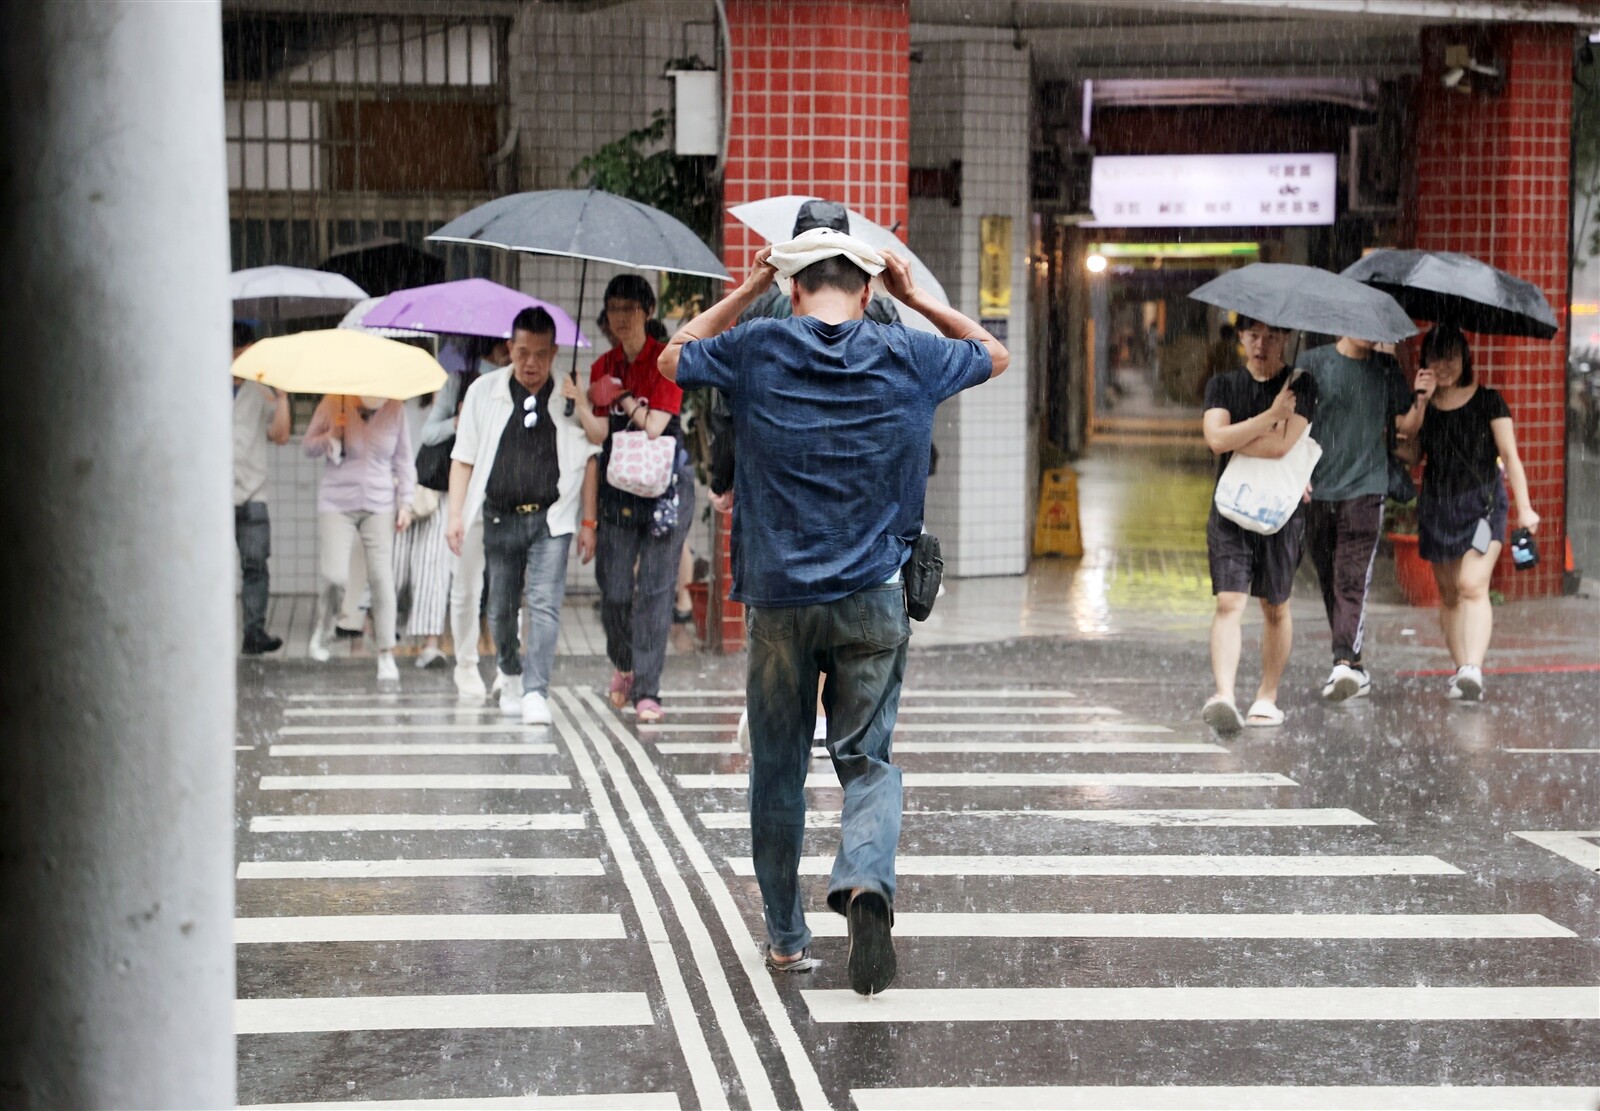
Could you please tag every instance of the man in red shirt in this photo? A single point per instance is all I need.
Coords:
(639, 542)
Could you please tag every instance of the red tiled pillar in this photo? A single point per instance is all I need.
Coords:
(821, 106)
(1493, 174)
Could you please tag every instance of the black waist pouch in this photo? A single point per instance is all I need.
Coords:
(922, 575)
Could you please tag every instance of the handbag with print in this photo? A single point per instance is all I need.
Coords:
(640, 465)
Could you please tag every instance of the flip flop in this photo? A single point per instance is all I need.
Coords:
(1263, 714)
(804, 962)
(1221, 714)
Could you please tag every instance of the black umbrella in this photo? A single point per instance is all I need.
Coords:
(1309, 299)
(382, 266)
(587, 224)
(1445, 287)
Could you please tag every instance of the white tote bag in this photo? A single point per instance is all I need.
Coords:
(640, 465)
(1262, 494)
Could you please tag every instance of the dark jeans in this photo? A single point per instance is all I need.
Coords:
(252, 531)
(638, 578)
(859, 642)
(1342, 540)
(527, 566)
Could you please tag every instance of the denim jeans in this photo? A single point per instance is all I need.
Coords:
(859, 643)
(252, 531)
(527, 566)
(638, 578)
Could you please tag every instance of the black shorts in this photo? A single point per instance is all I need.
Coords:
(1245, 562)
(1445, 525)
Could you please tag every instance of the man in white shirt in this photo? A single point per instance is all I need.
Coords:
(519, 473)
(260, 414)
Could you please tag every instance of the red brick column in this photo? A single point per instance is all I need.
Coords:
(821, 105)
(1493, 174)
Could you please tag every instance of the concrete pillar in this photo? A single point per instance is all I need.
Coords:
(116, 694)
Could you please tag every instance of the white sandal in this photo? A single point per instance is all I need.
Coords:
(1263, 714)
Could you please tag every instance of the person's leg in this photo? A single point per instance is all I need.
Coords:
(866, 664)
(1321, 543)
(466, 593)
(336, 535)
(401, 569)
(505, 550)
(1359, 522)
(1277, 637)
(1226, 641)
(653, 594)
(683, 603)
(253, 533)
(1447, 575)
(355, 587)
(616, 551)
(1475, 614)
(545, 587)
(377, 540)
(779, 688)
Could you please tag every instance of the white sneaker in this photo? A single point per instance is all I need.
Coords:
(428, 657)
(820, 731)
(510, 688)
(535, 710)
(317, 650)
(1467, 684)
(1345, 682)
(744, 731)
(469, 684)
(388, 671)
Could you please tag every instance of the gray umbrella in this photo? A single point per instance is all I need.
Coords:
(587, 224)
(1312, 300)
(1445, 287)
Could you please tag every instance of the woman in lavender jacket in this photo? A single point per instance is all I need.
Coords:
(368, 478)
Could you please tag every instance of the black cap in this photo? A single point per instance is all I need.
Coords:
(822, 214)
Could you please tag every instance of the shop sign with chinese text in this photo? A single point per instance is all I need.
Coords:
(1213, 190)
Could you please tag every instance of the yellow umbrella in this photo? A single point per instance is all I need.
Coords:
(341, 361)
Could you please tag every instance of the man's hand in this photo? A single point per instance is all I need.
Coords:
(723, 502)
(455, 533)
(1282, 405)
(897, 278)
(585, 543)
(403, 519)
(762, 273)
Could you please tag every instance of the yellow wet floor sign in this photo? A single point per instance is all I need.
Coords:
(1056, 531)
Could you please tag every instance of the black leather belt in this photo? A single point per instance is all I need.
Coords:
(526, 509)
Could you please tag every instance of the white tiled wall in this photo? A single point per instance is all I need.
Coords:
(969, 101)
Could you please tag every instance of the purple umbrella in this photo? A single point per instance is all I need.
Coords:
(470, 307)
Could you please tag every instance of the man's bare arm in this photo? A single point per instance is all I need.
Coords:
(952, 324)
(721, 316)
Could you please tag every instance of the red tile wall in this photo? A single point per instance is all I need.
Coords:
(1492, 179)
(821, 105)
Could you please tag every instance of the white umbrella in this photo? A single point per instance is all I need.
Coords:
(278, 293)
(773, 220)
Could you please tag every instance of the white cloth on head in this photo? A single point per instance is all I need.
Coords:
(819, 243)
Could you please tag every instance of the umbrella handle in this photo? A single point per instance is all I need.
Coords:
(583, 280)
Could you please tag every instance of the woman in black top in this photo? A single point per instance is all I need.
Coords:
(1466, 438)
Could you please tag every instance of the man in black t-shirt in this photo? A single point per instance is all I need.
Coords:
(1260, 410)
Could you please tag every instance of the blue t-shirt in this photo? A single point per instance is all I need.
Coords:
(834, 424)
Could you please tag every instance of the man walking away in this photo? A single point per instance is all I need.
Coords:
(524, 467)
(837, 412)
(260, 414)
(1358, 393)
(1253, 410)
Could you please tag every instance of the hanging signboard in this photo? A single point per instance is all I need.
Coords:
(994, 267)
(1213, 190)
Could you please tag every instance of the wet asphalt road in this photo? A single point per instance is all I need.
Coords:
(1365, 904)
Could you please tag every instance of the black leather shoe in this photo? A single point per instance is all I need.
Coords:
(256, 644)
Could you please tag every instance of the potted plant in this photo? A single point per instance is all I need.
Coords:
(1414, 573)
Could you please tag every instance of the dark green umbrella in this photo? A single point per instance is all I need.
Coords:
(1308, 299)
(1449, 288)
